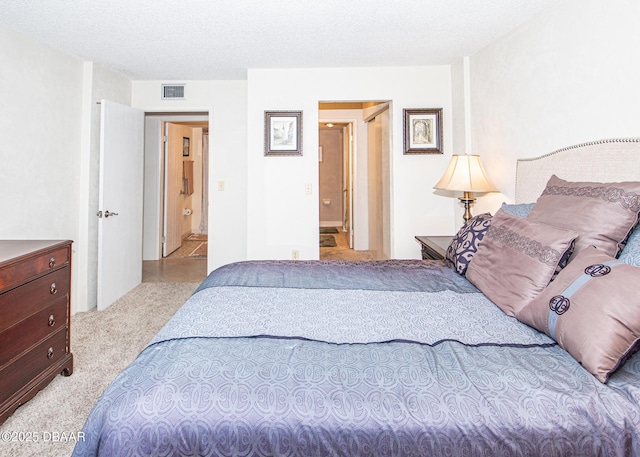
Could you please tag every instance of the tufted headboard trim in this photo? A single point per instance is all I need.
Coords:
(610, 160)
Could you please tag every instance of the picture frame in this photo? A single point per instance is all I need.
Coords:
(423, 131)
(283, 133)
(185, 146)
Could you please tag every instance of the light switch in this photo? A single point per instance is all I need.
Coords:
(220, 186)
(307, 188)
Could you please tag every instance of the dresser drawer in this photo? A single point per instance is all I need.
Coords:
(22, 370)
(17, 339)
(26, 300)
(26, 269)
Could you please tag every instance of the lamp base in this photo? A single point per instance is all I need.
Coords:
(467, 200)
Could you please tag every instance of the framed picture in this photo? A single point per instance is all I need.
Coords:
(283, 133)
(185, 147)
(423, 131)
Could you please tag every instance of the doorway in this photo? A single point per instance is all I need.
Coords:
(175, 195)
(335, 175)
(184, 231)
(352, 199)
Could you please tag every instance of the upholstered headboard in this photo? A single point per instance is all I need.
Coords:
(600, 161)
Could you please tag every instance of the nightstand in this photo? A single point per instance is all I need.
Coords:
(434, 247)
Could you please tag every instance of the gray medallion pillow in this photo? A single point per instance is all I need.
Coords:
(592, 310)
(465, 244)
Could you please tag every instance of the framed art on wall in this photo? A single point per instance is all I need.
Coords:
(185, 146)
(423, 131)
(283, 133)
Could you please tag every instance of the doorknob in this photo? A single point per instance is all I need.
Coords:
(107, 213)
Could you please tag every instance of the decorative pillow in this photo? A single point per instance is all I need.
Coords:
(517, 209)
(517, 259)
(592, 310)
(602, 213)
(465, 244)
(631, 252)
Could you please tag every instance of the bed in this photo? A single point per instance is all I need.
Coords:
(404, 357)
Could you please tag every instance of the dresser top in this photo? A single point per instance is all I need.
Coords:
(11, 249)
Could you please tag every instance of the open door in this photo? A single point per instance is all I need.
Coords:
(173, 187)
(347, 173)
(120, 201)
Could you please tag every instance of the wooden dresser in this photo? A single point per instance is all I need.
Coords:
(35, 286)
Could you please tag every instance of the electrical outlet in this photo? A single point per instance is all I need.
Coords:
(307, 189)
(295, 254)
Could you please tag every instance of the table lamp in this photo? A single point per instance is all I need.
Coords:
(465, 173)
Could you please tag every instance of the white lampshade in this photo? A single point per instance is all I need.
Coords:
(465, 173)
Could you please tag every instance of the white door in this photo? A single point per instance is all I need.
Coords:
(120, 201)
(347, 174)
(173, 187)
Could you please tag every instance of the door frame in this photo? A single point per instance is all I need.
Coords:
(350, 177)
(154, 173)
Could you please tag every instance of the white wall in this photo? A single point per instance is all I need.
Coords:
(568, 76)
(225, 101)
(41, 123)
(280, 216)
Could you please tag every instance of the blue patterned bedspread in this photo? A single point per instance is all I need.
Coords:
(404, 275)
(268, 360)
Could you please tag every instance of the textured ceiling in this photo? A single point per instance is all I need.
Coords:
(221, 39)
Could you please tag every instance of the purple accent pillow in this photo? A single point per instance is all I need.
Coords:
(465, 244)
(592, 310)
(604, 214)
(517, 259)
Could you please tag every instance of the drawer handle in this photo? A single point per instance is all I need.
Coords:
(52, 262)
(50, 353)
(53, 289)
(52, 320)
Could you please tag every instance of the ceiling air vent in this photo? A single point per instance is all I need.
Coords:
(173, 91)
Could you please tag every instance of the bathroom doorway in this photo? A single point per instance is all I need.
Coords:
(350, 198)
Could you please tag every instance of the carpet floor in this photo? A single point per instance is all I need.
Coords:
(103, 344)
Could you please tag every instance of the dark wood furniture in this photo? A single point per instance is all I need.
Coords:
(35, 287)
(434, 247)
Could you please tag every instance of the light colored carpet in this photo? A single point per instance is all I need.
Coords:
(103, 344)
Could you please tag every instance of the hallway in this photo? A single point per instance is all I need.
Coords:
(182, 268)
(342, 251)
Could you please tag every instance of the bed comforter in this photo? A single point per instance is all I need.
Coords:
(390, 358)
